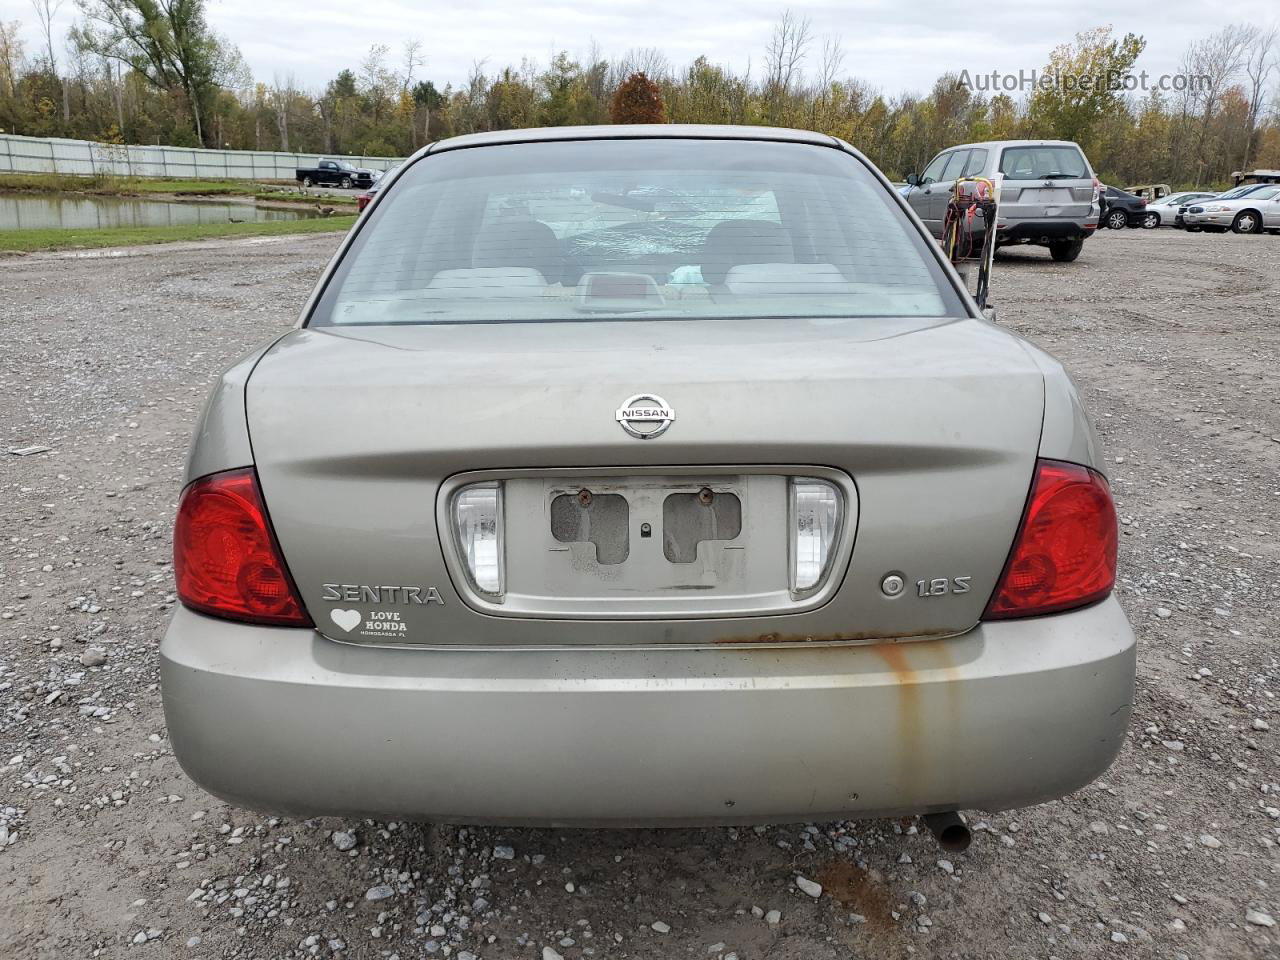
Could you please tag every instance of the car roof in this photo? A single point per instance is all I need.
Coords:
(1016, 143)
(636, 131)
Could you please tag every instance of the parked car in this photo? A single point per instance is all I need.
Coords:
(551, 511)
(1048, 196)
(1244, 190)
(1163, 212)
(1150, 192)
(1253, 212)
(334, 173)
(366, 198)
(1123, 209)
(1255, 176)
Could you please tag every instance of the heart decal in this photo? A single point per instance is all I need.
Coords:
(346, 619)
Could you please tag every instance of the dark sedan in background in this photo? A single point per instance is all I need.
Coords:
(1123, 209)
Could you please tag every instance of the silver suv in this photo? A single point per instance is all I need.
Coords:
(1049, 194)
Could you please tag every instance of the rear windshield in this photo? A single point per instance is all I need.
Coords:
(1042, 163)
(615, 229)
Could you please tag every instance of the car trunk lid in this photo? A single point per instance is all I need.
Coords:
(929, 428)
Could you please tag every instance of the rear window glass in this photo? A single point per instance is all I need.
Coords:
(1040, 163)
(616, 229)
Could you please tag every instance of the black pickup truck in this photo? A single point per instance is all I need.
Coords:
(334, 173)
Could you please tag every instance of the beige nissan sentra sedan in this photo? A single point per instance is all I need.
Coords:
(644, 475)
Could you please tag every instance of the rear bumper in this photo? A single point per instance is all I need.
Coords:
(1044, 231)
(1010, 714)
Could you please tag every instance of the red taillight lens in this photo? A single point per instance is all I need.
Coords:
(225, 558)
(1065, 552)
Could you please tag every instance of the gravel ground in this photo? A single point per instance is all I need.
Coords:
(106, 849)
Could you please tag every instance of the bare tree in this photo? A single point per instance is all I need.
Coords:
(650, 61)
(1261, 61)
(1212, 63)
(282, 95)
(598, 73)
(117, 89)
(783, 57)
(373, 68)
(829, 68)
(413, 59)
(831, 65)
(378, 81)
(473, 104)
(46, 11)
(11, 57)
(786, 51)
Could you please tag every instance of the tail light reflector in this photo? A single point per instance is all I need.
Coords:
(225, 557)
(1065, 552)
(815, 521)
(477, 525)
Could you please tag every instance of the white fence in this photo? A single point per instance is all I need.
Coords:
(88, 158)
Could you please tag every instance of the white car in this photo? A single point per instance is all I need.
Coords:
(1258, 211)
(1161, 213)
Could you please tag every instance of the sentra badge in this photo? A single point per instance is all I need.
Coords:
(384, 594)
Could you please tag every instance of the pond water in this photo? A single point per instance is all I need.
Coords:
(30, 211)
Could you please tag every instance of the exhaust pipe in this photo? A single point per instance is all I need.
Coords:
(950, 830)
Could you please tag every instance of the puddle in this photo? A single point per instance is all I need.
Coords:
(19, 211)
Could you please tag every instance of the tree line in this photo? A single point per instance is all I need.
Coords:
(154, 71)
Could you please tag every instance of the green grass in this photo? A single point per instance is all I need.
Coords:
(136, 186)
(26, 241)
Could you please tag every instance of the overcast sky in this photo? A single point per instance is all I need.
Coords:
(896, 45)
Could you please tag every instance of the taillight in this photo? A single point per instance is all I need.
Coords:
(225, 557)
(477, 525)
(1065, 552)
(814, 521)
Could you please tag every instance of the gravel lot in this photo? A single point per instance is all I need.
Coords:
(106, 849)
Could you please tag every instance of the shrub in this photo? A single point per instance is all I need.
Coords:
(637, 100)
